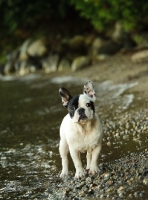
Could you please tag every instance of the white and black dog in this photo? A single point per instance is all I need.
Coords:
(80, 131)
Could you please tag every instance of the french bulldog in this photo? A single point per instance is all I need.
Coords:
(80, 131)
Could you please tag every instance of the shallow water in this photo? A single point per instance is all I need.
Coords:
(30, 116)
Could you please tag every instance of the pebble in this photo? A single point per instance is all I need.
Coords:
(145, 180)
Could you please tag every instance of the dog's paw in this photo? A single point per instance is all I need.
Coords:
(93, 170)
(64, 174)
(79, 174)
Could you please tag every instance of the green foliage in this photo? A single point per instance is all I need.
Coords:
(104, 13)
(23, 14)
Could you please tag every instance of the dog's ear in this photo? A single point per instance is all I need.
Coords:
(89, 90)
(65, 96)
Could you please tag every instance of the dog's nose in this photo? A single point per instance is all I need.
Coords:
(81, 111)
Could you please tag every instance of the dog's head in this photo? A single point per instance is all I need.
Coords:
(81, 108)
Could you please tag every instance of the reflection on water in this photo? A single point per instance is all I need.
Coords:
(30, 116)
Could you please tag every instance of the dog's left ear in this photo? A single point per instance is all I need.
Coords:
(65, 96)
(89, 90)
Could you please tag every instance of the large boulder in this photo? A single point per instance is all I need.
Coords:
(37, 48)
(64, 65)
(119, 34)
(141, 56)
(50, 64)
(23, 50)
(102, 46)
(76, 43)
(24, 68)
(80, 62)
(9, 66)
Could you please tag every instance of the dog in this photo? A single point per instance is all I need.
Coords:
(80, 131)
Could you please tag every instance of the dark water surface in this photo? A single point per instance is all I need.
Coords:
(30, 116)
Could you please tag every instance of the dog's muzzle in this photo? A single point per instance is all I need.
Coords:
(82, 115)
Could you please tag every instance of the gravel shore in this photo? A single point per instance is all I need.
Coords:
(122, 178)
(125, 178)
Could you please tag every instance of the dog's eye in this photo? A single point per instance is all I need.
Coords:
(88, 105)
(72, 108)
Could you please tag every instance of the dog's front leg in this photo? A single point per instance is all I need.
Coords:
(63, 148)
(88, 157)
(77, 162)
(95, 154)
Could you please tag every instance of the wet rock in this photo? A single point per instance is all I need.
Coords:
(106, 176)
(89, 40)
(120, 189)
(37, 48)
(23, 50)
(64, 65)
(101, 57)
(119, 33)
(76, 43)
(104, 47)
(141, 56)
(145, 180)
(79, 63)
(24, 68)
(89, 179)
(9, 67)
(109, 143)
(50, 64)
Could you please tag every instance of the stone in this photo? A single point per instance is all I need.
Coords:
(37, 48)
(64, 65)
(50, 64)
(80, 62)
(23, 50)
(145, 180)
(119, 34)
(102, 47)
(76, 43)
(140, 56)
(24, 68)
(109, 48)
(9, 68)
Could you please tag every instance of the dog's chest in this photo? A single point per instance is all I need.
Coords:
(85, 143)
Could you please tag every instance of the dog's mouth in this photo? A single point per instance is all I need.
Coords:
(82, 118)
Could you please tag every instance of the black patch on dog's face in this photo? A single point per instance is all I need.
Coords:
(92, 106)
(73, 105)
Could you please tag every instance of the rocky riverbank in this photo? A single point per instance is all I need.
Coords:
(122, 178)
(116, 180)
(73, 52)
